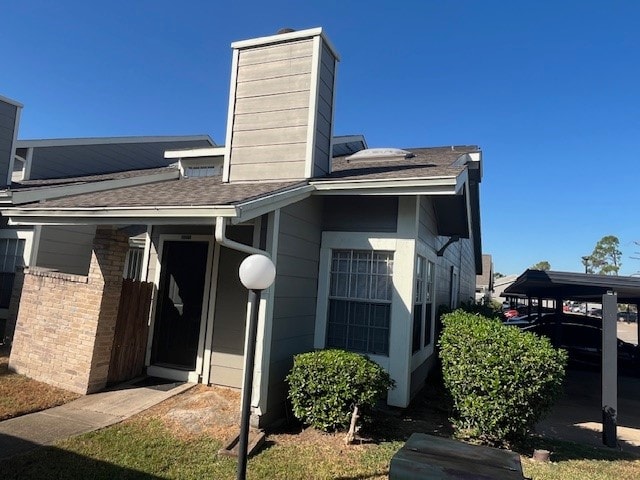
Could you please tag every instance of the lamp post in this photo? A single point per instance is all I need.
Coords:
(585, 260)
(257, 272)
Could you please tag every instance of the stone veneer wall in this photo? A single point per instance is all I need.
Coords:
(65, 323)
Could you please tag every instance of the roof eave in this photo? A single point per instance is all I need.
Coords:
(47, 192)
(441, 185)
(256, 207)
(66, 142)
(118, 215)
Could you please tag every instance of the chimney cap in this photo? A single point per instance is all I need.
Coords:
(286, 37)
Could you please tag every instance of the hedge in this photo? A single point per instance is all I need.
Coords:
(325, 385)
(502, 381)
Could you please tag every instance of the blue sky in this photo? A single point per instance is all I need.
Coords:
(550, 90)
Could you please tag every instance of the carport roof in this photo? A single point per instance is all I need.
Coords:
(575, 286)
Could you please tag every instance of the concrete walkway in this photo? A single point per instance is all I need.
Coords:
(86, 414)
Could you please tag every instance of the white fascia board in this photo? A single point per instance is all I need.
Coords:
(64, 142)
(405, 186)
(11, 102)
(36, 194)
(117, 215)
(286, 37)
(231, 110)
(269, 203)
(196, 152)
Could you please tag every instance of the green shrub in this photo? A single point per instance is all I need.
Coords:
(324, 386)
(502, 380)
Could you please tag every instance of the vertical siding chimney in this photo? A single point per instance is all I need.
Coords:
(280, 117)
(9, 119)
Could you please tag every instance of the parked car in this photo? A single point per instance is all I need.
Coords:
(627, 317)
(523, 320)
(510, 313)
(582, 338)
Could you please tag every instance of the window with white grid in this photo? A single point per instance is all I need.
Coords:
(360, 301)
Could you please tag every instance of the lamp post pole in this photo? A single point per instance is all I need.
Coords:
(257, 273)
(585, 260)
(247, 387)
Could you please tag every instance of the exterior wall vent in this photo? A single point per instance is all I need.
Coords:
(380, 154)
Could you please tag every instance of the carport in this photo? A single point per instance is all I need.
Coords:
(581, 287)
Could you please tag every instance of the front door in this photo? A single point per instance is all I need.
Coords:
(179, 309)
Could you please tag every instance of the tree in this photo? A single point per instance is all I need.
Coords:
(606, 255)
(497, 275)
(543, 265)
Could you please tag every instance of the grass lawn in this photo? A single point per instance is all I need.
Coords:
(20, 395)
(178, 440)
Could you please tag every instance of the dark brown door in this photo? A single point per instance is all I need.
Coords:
(179, 307)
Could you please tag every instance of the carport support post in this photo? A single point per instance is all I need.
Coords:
(609, 369)
(638, 324)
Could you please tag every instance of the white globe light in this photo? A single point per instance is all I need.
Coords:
(257, 272)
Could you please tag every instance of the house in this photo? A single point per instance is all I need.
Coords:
(367, 244)
(31, 170)
(484, 282)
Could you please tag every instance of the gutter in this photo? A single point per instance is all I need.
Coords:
(221, 238)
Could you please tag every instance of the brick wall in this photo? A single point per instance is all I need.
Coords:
(65, 325)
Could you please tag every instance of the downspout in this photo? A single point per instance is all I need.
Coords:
(221, 238)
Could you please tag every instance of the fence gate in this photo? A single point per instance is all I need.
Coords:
(130, 337)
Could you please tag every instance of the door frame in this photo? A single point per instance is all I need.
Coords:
(174, 373)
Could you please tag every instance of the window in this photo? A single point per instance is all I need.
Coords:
(133, 264)
(418, 304)
(455, 288)
(360, 301)
(11, 257)
(422, 305)
(428, 302)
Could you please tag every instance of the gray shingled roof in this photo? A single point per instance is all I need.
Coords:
(55, 182)
(427, 163)
(183, 192)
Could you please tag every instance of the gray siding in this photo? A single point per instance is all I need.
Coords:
(230, 314)
(360, 214)
(324, 114)
(8, 115)
(295, 293)
(270, 123)
(66, 248)
(419, 375)
(72, 160)
(427, 229)
(459, 254)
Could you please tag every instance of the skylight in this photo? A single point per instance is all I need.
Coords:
(380, 153)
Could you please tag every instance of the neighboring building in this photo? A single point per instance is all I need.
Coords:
(31, 170)
(501, 284)
(367, 245)
(484, 281)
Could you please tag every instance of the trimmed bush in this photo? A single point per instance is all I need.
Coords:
(502, 380)
(324, 386)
